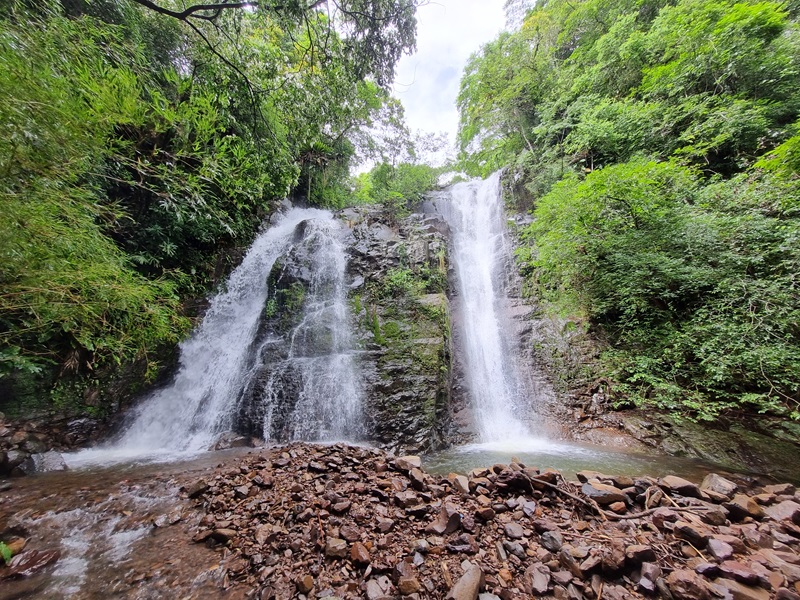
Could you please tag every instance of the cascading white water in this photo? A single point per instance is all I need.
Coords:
(320, 353)
(474, 211)
(189, 414)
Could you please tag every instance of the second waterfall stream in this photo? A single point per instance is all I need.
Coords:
(482, 258)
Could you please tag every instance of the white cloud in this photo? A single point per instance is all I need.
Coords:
(449, 31)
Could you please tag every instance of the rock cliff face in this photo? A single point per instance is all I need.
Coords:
(401, 320)
(387, 314)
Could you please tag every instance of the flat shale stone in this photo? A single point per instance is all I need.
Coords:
(739, 591)
(787, 510)
(679, 485)
(716, 483)
(687, 585)
(468, 586)
(603, 493)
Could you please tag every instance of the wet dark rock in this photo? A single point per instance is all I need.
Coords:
(407, 371)
(29, 562)
(232, 440)
(42, 463)
(552, 540)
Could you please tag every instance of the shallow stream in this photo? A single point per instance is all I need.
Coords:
(124, 531)
(120, 532)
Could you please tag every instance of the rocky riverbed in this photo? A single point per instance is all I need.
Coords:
(341, 522)
(306, 521)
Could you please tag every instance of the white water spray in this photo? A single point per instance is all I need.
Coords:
(320, 355)
(474, 212)
(189, 414)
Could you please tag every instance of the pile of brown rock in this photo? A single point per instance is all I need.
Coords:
(346, 522)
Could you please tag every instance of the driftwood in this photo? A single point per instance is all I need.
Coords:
(604, 514)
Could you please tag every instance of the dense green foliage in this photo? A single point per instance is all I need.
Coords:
(135, 148)
(396, 188)
(659, 143)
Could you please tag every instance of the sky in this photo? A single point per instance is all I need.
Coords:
(448, 32)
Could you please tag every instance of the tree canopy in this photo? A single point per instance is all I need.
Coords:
(658, 143)
(138, 143)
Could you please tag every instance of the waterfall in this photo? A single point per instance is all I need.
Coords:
(317, 353)
(220, 358)
(482, 256)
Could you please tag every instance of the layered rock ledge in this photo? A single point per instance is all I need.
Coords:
(307, 521)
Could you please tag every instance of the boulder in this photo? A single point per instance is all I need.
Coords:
(43, 462)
